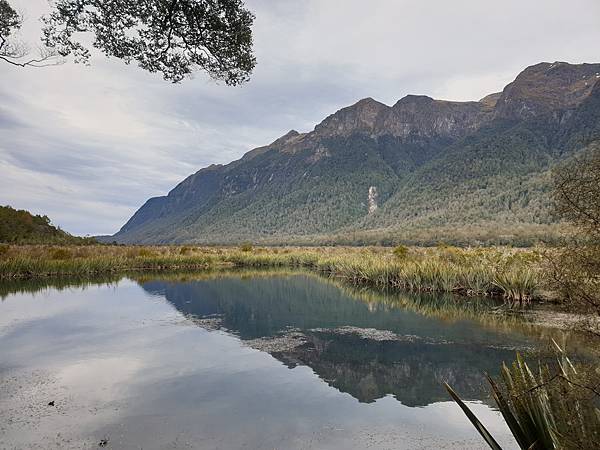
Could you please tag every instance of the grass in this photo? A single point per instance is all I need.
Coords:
(553, 407)
(509, 273)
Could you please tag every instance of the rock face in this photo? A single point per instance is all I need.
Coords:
(438, 167)
(546, 88)
(423, 116)
(413, 115)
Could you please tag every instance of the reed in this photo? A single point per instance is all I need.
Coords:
(512, 274)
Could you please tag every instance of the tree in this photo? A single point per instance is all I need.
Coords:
(13, 51)
(575, 270)
(9, 21)
(172, 37)
(577, 191)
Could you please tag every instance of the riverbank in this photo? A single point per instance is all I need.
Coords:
(514, 274)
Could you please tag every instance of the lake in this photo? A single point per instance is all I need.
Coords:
(252, 360)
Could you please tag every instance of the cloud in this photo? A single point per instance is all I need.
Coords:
(88, 145)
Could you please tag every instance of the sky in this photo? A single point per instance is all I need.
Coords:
(88, 145)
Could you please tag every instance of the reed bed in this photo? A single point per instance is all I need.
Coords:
(510, 273)
(43, 261)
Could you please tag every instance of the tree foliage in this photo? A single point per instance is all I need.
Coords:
(22, 227)
(14, 51)
(172, 37)
(577, 193)
(9, 19)
(576, 270)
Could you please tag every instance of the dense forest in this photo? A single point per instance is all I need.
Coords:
(22, 227)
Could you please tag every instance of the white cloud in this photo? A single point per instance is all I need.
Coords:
(88, 145)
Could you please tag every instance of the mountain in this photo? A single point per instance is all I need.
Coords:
(420, 171)
(22, 227)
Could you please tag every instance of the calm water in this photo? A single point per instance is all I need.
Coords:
(254, 361)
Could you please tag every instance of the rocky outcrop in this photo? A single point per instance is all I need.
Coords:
(413, 115)
(546, 88)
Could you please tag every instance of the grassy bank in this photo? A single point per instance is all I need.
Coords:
(511, 273)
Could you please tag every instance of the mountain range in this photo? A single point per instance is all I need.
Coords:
(420, 171)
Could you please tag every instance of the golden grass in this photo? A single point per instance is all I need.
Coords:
(511, 273)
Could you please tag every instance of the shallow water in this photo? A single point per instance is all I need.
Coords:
(283, 361)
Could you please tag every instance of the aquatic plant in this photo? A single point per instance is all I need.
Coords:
(552, 408)
(517, 284)
(504, 272)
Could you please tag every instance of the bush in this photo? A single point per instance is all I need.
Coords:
(246, 247)
(551, 407)
(401, 252)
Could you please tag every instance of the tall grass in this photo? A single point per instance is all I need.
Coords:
(553, 407)
(503, 273)
(42, 261)
(509, 273)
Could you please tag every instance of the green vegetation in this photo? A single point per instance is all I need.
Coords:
(550, 408)
(401, 252)
(557, 407)
(575, 271)
(445, 269)
(22, 227)
(43, 261)
(486, 181)
(246, 247)
(135, 30)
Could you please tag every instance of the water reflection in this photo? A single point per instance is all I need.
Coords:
(338, 342)
(136, 360)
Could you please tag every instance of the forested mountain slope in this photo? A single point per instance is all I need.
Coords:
(421, 170)
(18, 226)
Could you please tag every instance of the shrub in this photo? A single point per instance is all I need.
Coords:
(401, 252)
(553, 407)
(246, 247)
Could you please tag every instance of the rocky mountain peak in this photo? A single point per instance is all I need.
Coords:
(287, 138)
(547, 87)
(414, 101)
(420, 115)
(490, 100)
(364, 116)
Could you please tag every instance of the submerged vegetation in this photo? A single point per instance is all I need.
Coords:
(510, 273)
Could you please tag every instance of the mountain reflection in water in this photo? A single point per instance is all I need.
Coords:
(409, 363)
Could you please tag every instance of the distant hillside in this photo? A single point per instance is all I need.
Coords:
(420, 171)
(22, 227)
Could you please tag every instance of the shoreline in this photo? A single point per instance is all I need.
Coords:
(497, 272)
